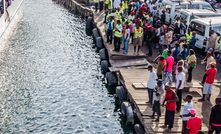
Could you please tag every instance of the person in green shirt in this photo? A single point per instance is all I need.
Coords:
(165, 49)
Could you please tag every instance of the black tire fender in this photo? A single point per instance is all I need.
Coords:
(104, 66)
(121, 94)
(95, 33)
(89, 24)
(138, 129)
(111, 78)
(127, 111)
(103, 54)
(99, 43)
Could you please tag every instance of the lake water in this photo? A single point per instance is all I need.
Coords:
(50, 77)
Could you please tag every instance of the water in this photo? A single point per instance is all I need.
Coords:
(50, 77)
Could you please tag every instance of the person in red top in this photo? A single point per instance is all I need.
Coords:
(194, 123)
(210, 76)
(168, 68)
(142, 10)
(170, 99)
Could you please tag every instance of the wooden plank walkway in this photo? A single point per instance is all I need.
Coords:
(139, 98)
(133, 73)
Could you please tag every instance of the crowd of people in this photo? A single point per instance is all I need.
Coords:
(141, 24)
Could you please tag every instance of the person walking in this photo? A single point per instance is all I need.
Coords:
(215, 118)
(180, 79)
(110, 30)
(210, 76)
(137, 38)
(159, 91)
(194, 124)
(170, 99)
(117, 36)
(185, 114)
(191, 61)
(168, 68)
(126, 38)
(151, 83)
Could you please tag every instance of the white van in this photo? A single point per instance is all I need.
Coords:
(173, 7)
(189, 14)
(202, 27)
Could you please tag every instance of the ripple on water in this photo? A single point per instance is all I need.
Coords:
(50, 77)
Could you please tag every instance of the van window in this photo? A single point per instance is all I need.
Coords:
(217, 30)
(183, 17)
(168, 8)
(194, 6)
(199, 28)
(208, 7)
(178, 7)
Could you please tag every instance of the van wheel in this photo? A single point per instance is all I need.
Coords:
(103, 54)
(120, 93)
(95, 33)
(111, 79)
(127, 111)
(104, 66)
(138, 129)
(99, 43)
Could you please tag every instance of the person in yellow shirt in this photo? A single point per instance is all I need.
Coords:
(110, 5)
(117, 36)
(137, 37)
(125, 5)
(96, 4)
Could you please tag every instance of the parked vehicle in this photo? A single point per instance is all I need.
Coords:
(202, 27)
(189, 14)
(173, 7)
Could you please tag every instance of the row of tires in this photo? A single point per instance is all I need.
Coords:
(111, 78)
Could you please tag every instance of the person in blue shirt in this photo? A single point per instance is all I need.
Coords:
(137, 5)
(176, 52)
(192, 41)
(184, 52)
(110, 30)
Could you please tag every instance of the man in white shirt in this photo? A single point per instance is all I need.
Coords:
(151, 83)
(159, 91)
(185, 114)
(180, 79)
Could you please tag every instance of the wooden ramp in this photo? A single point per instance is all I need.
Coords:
(139, 97)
